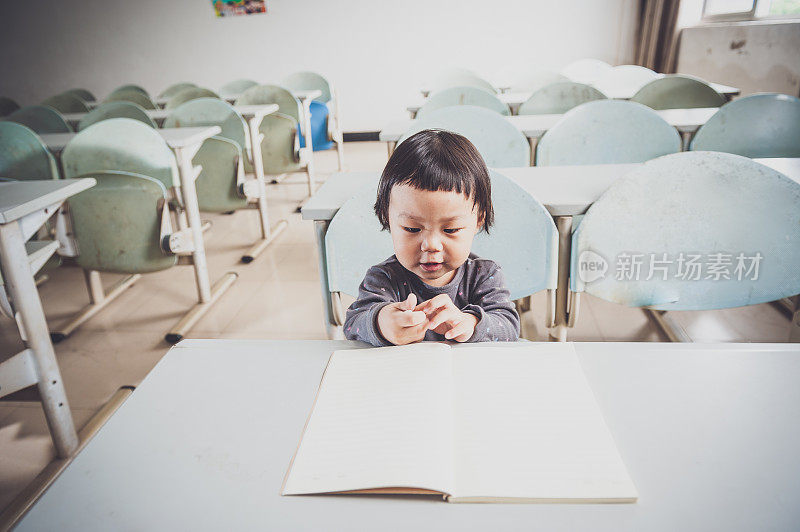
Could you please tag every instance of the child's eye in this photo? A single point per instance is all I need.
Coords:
(412, 229)
(453, 231)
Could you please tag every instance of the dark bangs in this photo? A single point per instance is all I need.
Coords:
(434, 160)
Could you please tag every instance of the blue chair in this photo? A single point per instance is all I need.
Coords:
(121, 109)
(463, 96)
(41, 119)
(558, 98)
(760, 125)
(354, 242)
(677, 91)
(499, 142)
(7, 106)
(707, 230)
(607, 131)
(23, 155)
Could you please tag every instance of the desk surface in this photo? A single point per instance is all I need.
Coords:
(534, 126)
(175, 137)
(563, 190)
(709, 434)
(19, 198)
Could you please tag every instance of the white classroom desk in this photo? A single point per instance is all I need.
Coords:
(565, 191)
(708, 432)
(184, 141)
(24, 207)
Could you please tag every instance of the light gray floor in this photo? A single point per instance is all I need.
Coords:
(277, 297)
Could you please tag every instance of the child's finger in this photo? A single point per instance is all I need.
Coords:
(410, 302)
(411, 318)
(458, 331)
(440, 301)
(440, 316)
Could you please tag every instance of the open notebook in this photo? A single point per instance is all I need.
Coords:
(474, 423)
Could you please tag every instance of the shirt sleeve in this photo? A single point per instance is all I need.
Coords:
(361, 321)
(498, 320)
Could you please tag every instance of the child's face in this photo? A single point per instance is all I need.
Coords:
(432, 231)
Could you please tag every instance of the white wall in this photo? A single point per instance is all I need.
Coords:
(377, 53)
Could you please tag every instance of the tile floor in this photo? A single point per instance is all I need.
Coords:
(276, 296)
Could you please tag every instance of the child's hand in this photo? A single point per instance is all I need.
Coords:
(445, 318)
(400, 323)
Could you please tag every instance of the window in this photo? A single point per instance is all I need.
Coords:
(730, 10)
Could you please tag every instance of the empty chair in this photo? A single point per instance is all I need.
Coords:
(108, 110)
(83, 94)
(676, 91)
(354, 242)
(7, 106)
(66, 103)
(499, 142)
(759, 125)
(624, 81)
(131, 87)
(607, 131)
(267, 94)
(463, 96)
(131, 95)
(23, 155)
(458, 78)
(236, 87)
(41, 119)
(691, 231)
(585, 70)
(192, 93)
(175, 88)
(558, 98)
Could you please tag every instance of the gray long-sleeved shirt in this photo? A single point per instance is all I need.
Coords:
(478, 288)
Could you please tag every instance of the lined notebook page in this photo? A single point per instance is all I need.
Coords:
(527, 426)
(382, 418)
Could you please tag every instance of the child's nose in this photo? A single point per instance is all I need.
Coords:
(431, 242)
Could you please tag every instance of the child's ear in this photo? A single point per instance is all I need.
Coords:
(481, 219)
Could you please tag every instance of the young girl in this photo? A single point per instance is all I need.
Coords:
(434, 196)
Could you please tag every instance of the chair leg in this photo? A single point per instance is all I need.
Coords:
(98, 301)
(340, 154)
(668, 326)
(279, 178)
(199, 310)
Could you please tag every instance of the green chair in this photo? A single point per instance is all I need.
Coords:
(66, 103)
(108, 110)
(676, 91)
(463, 96)
(7, 106)
(174, 89)
(585, 71)
(189, 94)
(458, 77)
(624, 80)
(237, 87)
(131, 95)
(83, 94)
(759, 125)
(558, 98)
(23, 155)
(129, 87)
(267, 94)
(606, 132)
(41, 119)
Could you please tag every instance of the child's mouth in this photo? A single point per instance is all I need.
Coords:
(430, 266)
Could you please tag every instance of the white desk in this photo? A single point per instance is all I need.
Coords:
(565, 191)
(24, 207)
(709, 434)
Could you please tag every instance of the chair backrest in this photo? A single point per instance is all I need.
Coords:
(117, 224)
(534, 80)
(211, 112)
(354, 240)
(266, 94)
(131, 95)
(692, 231)
(131, 87)
(499, 142)
(120, 144)
(7, 106)
(558, 98)
(175, 88)
(676, 91)
(192, 93)
(625, 79)
(463, 96)
(760, 125)
(66, 103)
(280, 145)
(107, 110)
(217, 185)
(236, 87)
(459, 78)
(607, 131)
(23, 155)
(83, 94)
(41, 119)
(303, 81)
(585, 70)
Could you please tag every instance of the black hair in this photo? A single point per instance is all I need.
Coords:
(434, 159)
